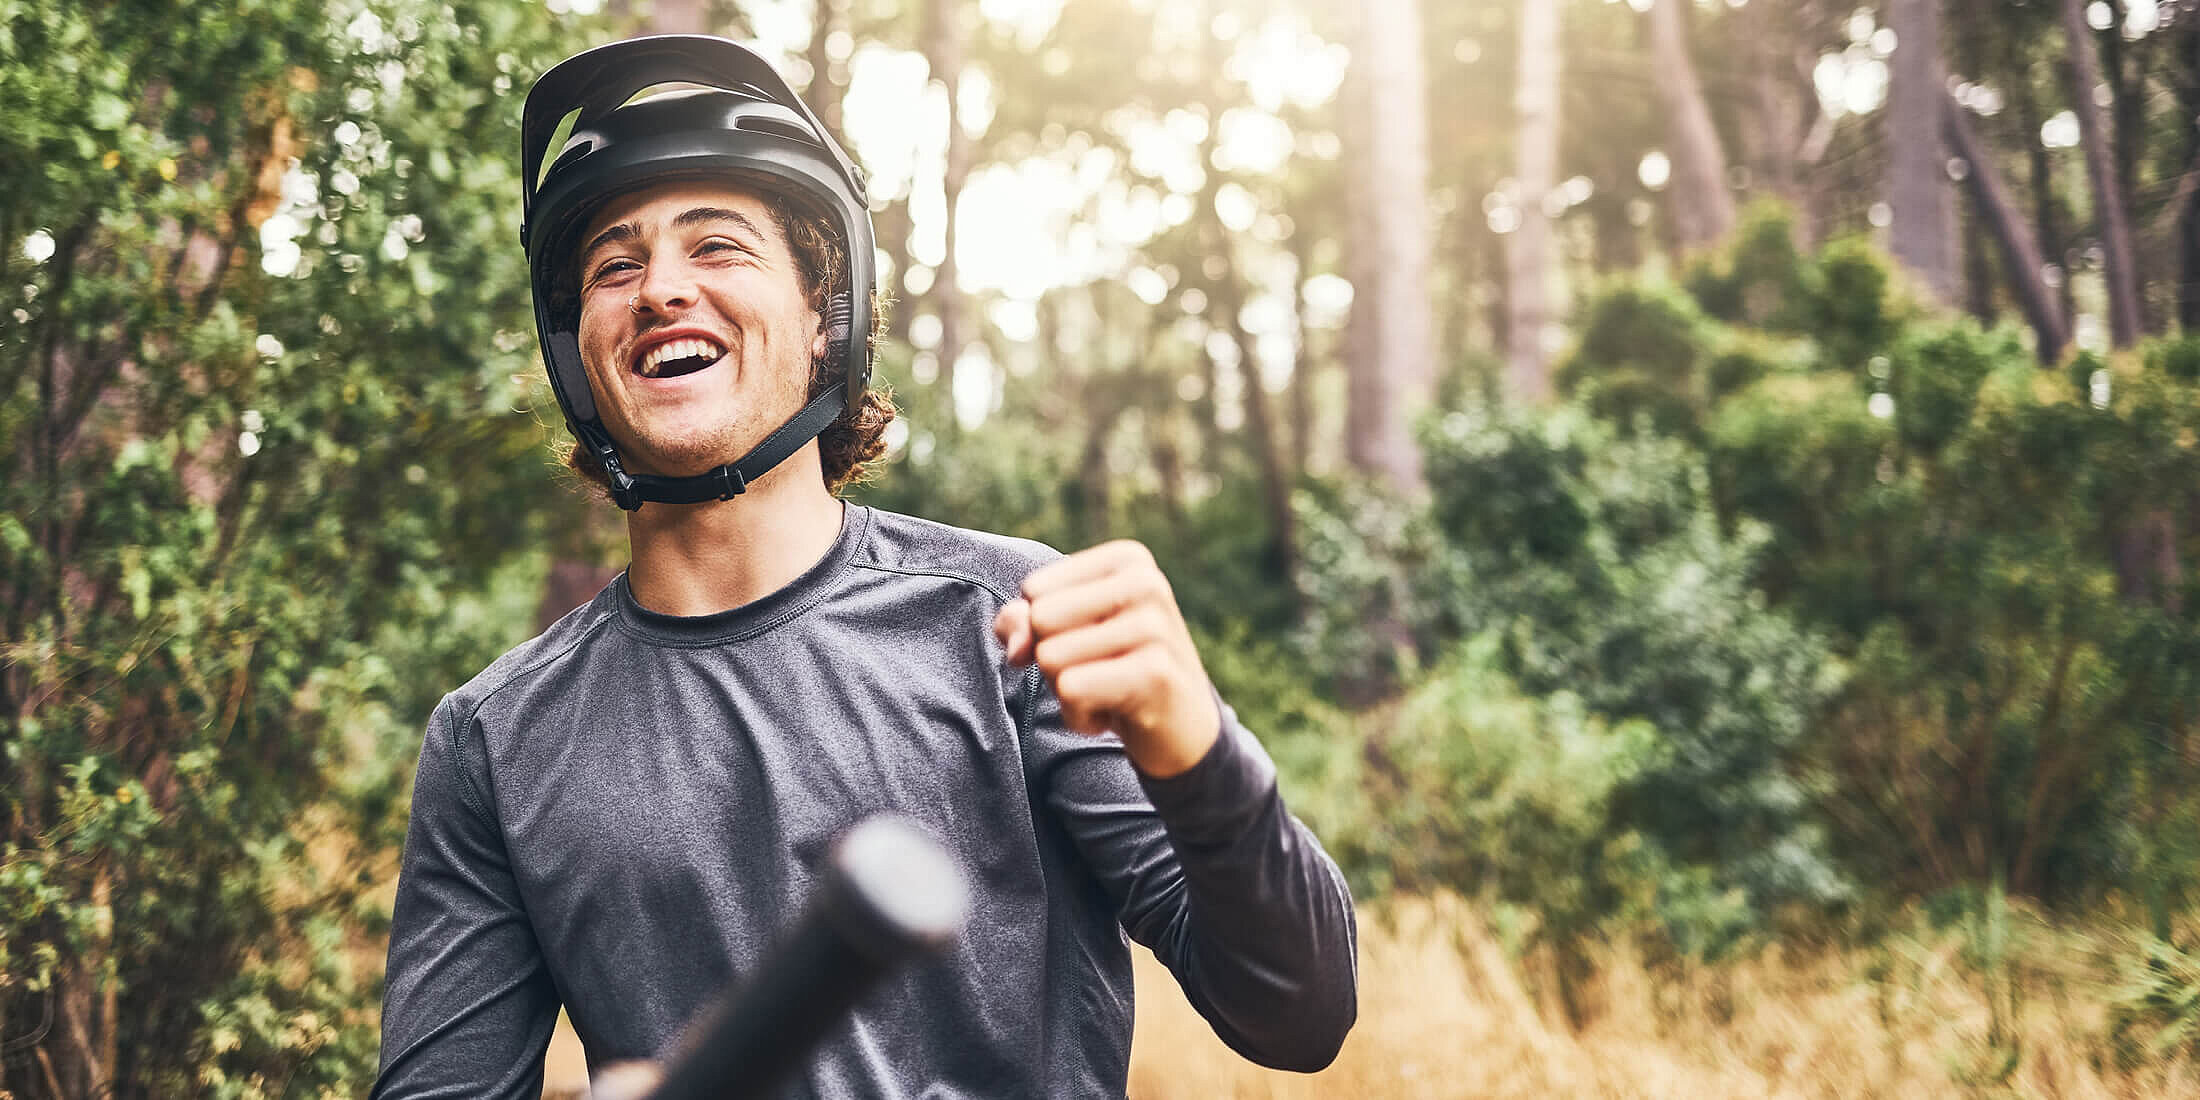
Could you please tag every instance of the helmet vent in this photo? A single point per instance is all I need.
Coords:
(578, 150)
(789, 128)
(670, 87)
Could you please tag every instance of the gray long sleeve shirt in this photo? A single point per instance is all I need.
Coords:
(622, 814)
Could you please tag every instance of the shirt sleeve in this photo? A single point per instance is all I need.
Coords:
(469, 1005)
(1212, 874)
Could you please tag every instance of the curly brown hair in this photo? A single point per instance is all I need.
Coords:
(851, 445)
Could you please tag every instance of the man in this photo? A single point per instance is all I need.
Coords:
(619, 815)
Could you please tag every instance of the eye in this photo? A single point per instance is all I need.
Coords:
(719, 246)
(611, 268)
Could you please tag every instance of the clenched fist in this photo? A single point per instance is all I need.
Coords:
(1103, 625)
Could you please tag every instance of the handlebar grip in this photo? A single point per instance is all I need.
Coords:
(889, 892)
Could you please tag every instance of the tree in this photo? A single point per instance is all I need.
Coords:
(2185, 80)
(1703, 210)
(2100, 168)
(1390, 349)
(826, 88)
(1530, 262)
(266, 459)
(2022, 264)
(944, 36)
(1922, 234)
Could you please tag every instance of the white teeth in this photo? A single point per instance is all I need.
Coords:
(677, 349)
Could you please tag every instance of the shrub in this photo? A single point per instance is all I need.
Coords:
(251, 501)
(1642, 606)
(2002, 562)
(1640, 359)
(1760, 279)
(1474, 784)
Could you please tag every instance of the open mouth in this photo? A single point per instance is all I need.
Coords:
(674, 358)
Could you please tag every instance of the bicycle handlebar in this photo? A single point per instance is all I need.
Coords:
(888, 893)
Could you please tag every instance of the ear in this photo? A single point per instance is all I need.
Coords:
(832, 327)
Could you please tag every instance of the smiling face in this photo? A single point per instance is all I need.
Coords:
(694, 326)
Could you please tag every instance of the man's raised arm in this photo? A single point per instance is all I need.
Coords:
(1235, 896)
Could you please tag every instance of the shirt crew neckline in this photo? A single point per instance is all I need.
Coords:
(756, 616)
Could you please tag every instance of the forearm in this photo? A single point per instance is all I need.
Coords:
(1259, 929)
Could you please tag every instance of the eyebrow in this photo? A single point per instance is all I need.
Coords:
(625, 231)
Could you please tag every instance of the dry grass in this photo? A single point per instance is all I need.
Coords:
(1446, 1012)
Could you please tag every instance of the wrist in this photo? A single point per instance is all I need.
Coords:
(1174, 748)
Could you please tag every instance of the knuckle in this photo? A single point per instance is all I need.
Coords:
(1123, 552)
(1154, 623)
(1044, 614)
(1069, 685)
(1155, 587)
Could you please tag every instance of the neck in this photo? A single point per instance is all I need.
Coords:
(699, 559)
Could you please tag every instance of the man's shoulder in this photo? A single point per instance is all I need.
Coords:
(909, 545)
(537, 655)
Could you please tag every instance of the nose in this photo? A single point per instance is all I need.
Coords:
(667, 288)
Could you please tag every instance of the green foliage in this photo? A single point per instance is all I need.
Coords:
(1642, 353)
(1851, 312)
(2154, 1001)
(1654, 358)
(1760, 279)
(1935, 380)
(1357, 546)
(261, 394)
(1483, 786)
(1998, 560)
(2177, 358)
(1645, 610)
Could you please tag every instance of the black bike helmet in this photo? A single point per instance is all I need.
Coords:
(590, 133)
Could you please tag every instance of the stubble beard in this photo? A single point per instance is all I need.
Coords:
(688, 450)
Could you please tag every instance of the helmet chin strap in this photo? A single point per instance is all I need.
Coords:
(726, 482)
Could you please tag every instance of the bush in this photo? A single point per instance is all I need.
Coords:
(2154, 1001)
(1761, 279)
(2002, 562)
(1851, 313)
(1358, 548)
(1599, 566)
(1641, 356)
(1474, 784)
(253, 503)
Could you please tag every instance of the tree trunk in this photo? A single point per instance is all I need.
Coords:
(1782, 115)
(678, 17)
(2021, 262)
(1094, 483)
(2100, 165)
(2125, 78)
(1390, 352)
(1922, 234)
(1978, 273)
(943, 51)
(2047, 221)
(1489, 267)
(2185, 77)
(1531, 267)
(824, 93)
(1226, 303)
(1260, 422)
(1302, 364)
(1703, 209)
(895, 227)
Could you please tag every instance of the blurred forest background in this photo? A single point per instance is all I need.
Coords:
(1702, 497)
